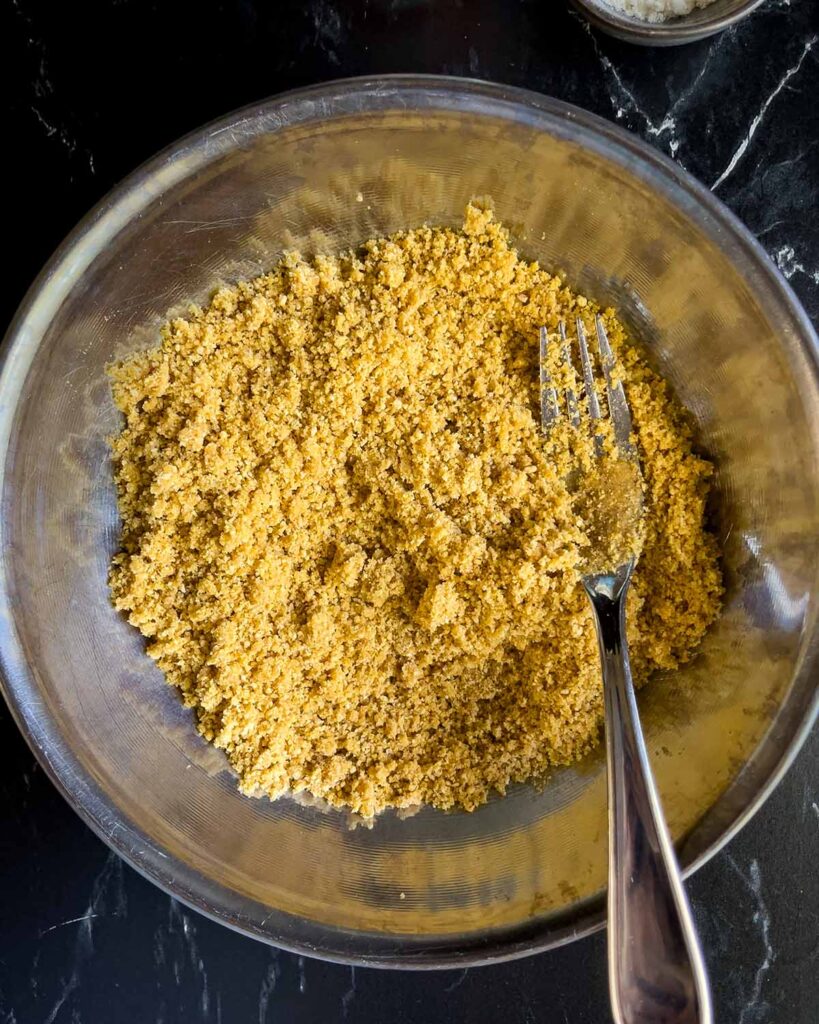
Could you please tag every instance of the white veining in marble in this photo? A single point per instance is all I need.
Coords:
(181, 923)
(742, 148)
(108, 881)
(762, 919)
(43, 87)
(268, 986)
(625, 102)
(349, 995)
(785, 259)
(328, 28)
(71, 920)
(461, 978)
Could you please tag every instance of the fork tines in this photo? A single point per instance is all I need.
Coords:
(550, 405)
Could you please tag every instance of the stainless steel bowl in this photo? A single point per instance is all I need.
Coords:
(699, 24)
(525, 872)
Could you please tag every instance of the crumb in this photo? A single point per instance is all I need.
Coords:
(609, 501)
(349, 543)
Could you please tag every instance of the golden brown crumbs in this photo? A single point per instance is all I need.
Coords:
(608, 498)
(351, 546)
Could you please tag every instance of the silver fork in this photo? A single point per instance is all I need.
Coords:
(656, 969)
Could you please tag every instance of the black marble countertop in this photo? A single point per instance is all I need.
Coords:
(93, 89)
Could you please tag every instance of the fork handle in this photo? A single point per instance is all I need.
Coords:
(656, 969)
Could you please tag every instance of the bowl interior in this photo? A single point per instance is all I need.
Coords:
(525, 870)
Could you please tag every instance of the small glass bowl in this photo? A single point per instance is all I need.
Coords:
(699, 24)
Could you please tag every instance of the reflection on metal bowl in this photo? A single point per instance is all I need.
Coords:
(526, 871)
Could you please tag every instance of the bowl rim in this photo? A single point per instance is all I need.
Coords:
(17, 681)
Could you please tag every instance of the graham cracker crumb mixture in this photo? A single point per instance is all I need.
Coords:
(349, 543)
(609, 500)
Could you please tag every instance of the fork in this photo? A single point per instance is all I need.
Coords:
(656, 969)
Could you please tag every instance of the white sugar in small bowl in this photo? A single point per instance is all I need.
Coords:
(688, 28)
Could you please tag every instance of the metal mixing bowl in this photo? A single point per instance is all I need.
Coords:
(325, 168)
(688, 28)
